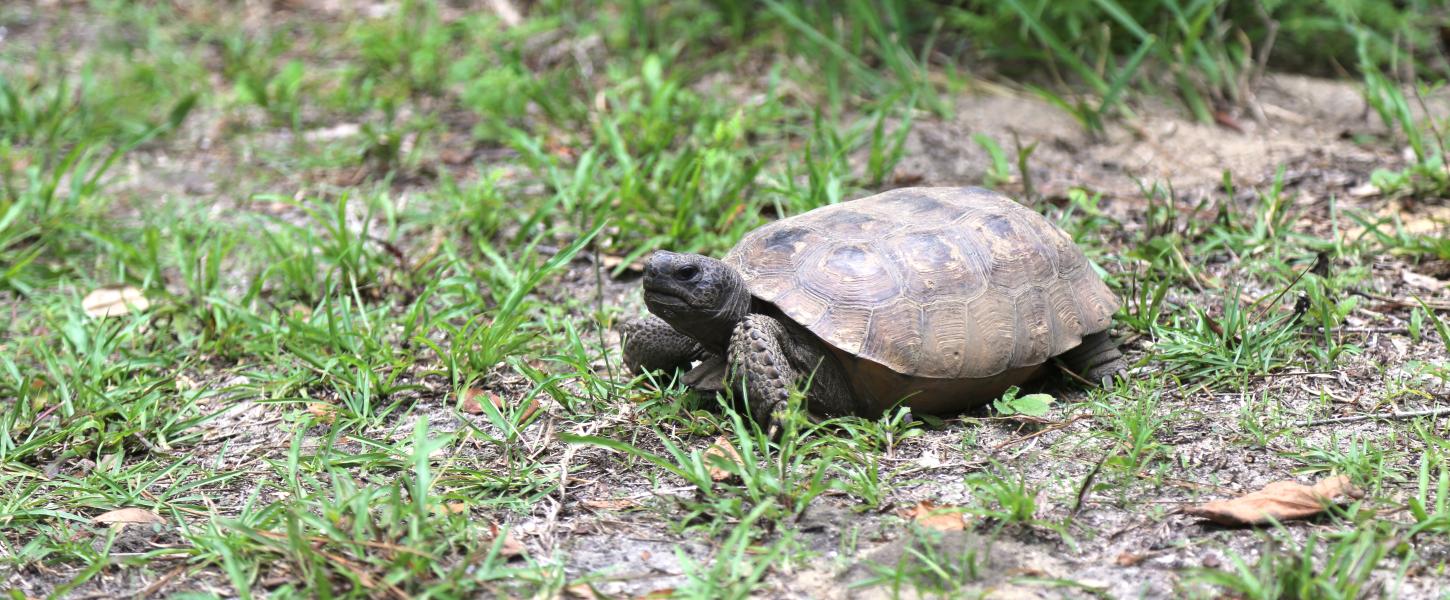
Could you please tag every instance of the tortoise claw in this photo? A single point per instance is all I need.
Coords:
(775, 420)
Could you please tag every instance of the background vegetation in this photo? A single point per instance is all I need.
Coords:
(361, 223)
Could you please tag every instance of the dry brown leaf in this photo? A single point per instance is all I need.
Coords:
(322, 411)
(1129, 559)
(611, 504)
(1421, 219)
(529, 410)
(186, 384)
(506, 12)
(611, 262)
(722, 449)
(660, 594)
(114, 301)
(471, 403)
(128, 515)
(1424, 282)
(453, 508)
(583, 591)
(511, 546)
(1281, 500)
(941, 518)
(1364, 190)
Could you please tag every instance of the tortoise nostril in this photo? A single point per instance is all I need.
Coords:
(687, 273)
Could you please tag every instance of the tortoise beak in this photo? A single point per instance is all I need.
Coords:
(661, 283)
(660, 263)
(657, 271)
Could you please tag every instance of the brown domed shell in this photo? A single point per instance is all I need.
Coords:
(956, 283)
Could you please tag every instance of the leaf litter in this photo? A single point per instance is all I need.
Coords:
(1278, 501)
(129, 515)
(114, 301)
(931, 516)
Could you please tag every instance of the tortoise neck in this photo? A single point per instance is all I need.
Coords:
(714, 328)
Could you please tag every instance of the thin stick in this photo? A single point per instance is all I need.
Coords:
(1070, 373)
(1401, 302)
(160, 582)
(1289, 374)
(1255, 318)
(1087, 485)
(1433, 412)
(1044, 430)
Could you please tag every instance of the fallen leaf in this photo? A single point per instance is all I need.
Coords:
(1281, 501)
(1227, 120)
(660, 594)
(322, 411)
(114, 301)
(1129, 559)
(506, 13)
(128, 515)
(336, 132)
(1424, 282)
(511, 545)
(941, 518)
(186, 384)
(610, 262)
(471, 403)
(612, 504)
(454, 508)
(529, 410)
(1364, 190)
(724, 450)
(583, 591)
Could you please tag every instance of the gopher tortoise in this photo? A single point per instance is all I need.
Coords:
(941, 298)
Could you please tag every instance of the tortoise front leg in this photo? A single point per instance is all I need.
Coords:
(650, 344)
(1096, 359)
(766, 362)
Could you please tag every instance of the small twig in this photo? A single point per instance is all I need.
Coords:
(369, 543)
(1259, 315)
(1433, 412)
(1073, 375)
(1187, 485)
(1289, 374)
(160, 582)
(506, 12)
(1401, 303)
(1044, 430)
(1087, 485)
(1399, 330)
(1261, 58)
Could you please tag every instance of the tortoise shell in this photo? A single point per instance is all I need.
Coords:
(955, 284)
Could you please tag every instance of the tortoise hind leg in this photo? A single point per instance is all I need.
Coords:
(1096, 359)
(766, 361)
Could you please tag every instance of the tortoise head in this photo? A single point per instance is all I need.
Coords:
(700, 296)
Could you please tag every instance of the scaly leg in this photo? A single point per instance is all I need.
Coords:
(650, 344)
(766, 362)
(1096, 359)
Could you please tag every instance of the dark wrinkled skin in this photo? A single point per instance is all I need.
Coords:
(701, 310)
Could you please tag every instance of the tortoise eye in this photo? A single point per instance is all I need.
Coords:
(687, 272)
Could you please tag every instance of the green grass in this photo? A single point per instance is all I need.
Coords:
(375, 364)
